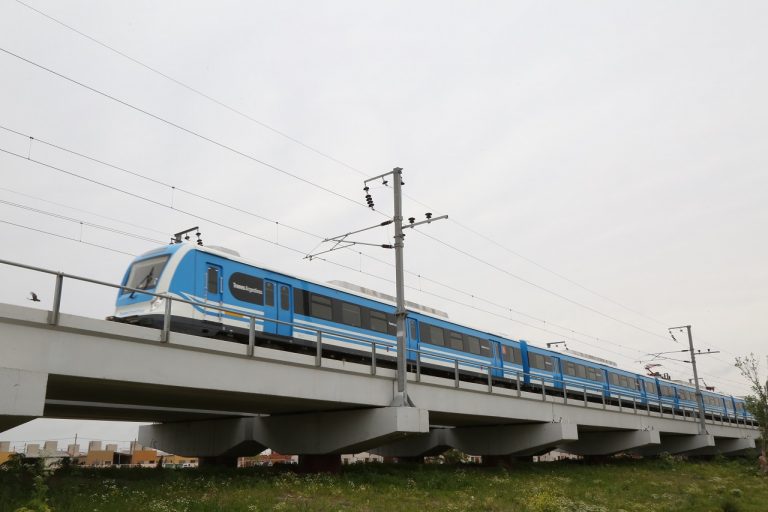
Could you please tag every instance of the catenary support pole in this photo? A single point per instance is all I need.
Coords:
(699, 396)
(401, 398)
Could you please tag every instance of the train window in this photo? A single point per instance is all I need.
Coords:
(623, 381)
(667, 391)
(350, 314)
(569, 368)
(595, 374)
(650, 387)
(285, 298)
(378, 321)
(541, 362)
(320, 307)
(213, 280)
(581, 371)
(614, 379)
(392, 324)
(412, 325)
(145, 274)
(472, 345)
(247, 288)
(269, 294)
(436, 335)
(456, 340)
(485, 348)
(512, 354)
(300, 301)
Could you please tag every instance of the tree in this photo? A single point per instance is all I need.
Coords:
(757, 403)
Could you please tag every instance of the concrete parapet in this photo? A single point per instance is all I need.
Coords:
(609, 443)
(305, 434)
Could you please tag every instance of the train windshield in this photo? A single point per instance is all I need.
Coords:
(144, 274)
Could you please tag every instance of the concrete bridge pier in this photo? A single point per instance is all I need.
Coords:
(679, 444)
(503, 443)
(726, 446)
(318, 438)
(605, 443)
(22, 396)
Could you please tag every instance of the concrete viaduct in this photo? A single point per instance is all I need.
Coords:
(210, 398)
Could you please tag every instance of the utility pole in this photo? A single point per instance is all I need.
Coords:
(401, 398)
(341, 242)
(699, 396)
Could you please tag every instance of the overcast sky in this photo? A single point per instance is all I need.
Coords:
(578, 147)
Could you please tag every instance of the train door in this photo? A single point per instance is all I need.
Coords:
(270, 307)
(214, 294)
(412, 338)
(277, 306)
(558, 371)
(496, 359)
(284, 310)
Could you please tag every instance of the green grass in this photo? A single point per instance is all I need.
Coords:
(628, 485)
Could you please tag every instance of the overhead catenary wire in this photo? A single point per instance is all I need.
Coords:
(251, 157)
(182, 128)
(569, 330)
(79, 221)
(259, 216)
(209, 220)
(318, 236)
(301, 252)
(158, 203)
(531, 283)
(73, 208)
(66, 237)
(325, 155)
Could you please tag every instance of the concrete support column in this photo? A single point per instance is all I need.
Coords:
(609, 443)
(22, 396)
(726, 446)
(517, 440)
(679, 444)
(301, 434)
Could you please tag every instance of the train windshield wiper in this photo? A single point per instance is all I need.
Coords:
(144, 283)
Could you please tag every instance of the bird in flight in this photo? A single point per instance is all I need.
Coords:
(33, 297)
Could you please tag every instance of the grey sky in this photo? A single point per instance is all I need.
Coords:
(620, 144)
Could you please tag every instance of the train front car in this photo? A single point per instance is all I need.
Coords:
(151, 272)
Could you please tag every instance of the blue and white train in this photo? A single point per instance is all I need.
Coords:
(209, 276)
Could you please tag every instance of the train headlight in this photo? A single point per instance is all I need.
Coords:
(155, 303)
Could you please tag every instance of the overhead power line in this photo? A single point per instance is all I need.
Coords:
(250, 157)
(319, 152)
(379, 260)
(324, 155)
(571, 334)
(531, 283)
(57, 235)
(182, 128)
(195, 91)
(227, 226)
(81, 222)
(36, 198)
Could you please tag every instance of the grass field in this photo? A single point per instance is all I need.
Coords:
(642, 486)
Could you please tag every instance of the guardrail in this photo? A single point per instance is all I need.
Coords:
(522, 381)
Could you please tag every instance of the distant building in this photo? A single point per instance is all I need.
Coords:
(361, 458)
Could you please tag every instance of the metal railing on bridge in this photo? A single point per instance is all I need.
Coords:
(525, 385)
